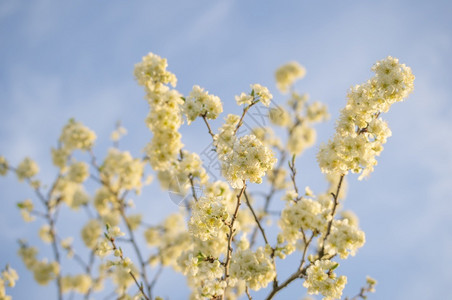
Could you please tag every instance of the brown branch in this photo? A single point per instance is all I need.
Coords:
(208, 126)
(247, 291)
(192, 184)
(240, 123)
(297, 274)
(256, 218)
(293, 173)
(156, 277)
(333, 212)
(269, 196)
(231, 232)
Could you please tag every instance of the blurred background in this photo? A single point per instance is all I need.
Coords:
(63, 59)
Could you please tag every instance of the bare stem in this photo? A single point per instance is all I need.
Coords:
(256, 218)
(240, 123)
(293, 173)
(208, 126)
(269, 196)
(248, 293)
(299, 273)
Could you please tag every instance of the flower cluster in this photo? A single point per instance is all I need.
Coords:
(298, 121)
(287, 74)
(152, 74)
(299, 216)
(77, 136)
(80, 283)
(8, 277)
(258, 93)
(91, 233)
(26, 169)
(78, 172)
(360, 133)
(200, 103)
(170, 238)
(208, 219)
(320, 278)
(344, 239)
(256, 268)
(43, 271)
(165, 115)
(26, 207)
(178, 179)
(122, 171)
(248, 160)
(225, 138)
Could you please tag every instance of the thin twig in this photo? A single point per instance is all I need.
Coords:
(248, 293)
(231, 232)
(333, 212)
(190, 178)
(208, 126)
(293, 173)
(137, 250)
(269, 196)
(157, 276)
(299, 273)
(256, 218)
(240, 123)
(121, 256)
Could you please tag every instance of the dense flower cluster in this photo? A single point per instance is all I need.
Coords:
(200, 103)
(43, 271)
(77, 136)
(287, 74)
(321, 279)
(344, 239)
(80, 283)
(165, 116)
(122, 171)
(208, 219)
(225, 138)
(305, 214)
(255, 268)
(248, 160)
(27, 169)
(78, 172)
(360, 133)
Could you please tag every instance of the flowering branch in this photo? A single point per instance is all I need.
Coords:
(231, 232)
(333, 213)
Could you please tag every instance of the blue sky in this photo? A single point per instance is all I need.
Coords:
(61, 59)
